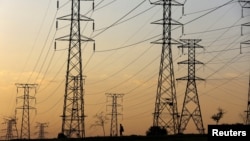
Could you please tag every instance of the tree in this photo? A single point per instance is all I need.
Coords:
(156, 131)
(101, 121)
(217, 117)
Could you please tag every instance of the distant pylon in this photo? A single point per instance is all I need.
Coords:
(11, 130)
(191, 106)
(41, 132)
(114, 119)
(26, 97)
(73, 108)
(166, 111)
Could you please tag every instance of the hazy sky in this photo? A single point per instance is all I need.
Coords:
(125, 60)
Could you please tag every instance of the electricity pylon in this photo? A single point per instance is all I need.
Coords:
(41, 132)
(26, 97)
(166, 111)
(248, 104)
(245, 4)
(73, 106)
(114, 108)
(11, 130)
(191, 105)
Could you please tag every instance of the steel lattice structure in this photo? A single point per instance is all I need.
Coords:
(41, 132)
(191, 106)
(114, 112)
(166, 111)
(73, 107)
(26, 97)
(11, 130)
(245, 4)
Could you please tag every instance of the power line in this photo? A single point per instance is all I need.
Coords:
(39, 31)
(39, 57)
(209, 12)
(144, 11)
(129, 77)
(119, 19)
(150, 38)
(212, 30)
(195, 12)
(122, 69)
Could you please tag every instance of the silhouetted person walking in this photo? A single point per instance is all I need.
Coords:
(121, 129)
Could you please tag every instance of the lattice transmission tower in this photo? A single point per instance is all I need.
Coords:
(11, 130)
(166, 111)
(41, 132)
(26, 98)
(245, 4)
(191, 105)
(73, 107)
(115, 105)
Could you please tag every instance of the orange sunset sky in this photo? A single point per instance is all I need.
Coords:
(125, 61)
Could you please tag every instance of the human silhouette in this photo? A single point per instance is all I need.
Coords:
(121, 129)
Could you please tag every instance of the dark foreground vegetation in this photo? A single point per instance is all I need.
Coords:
(185, 137)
